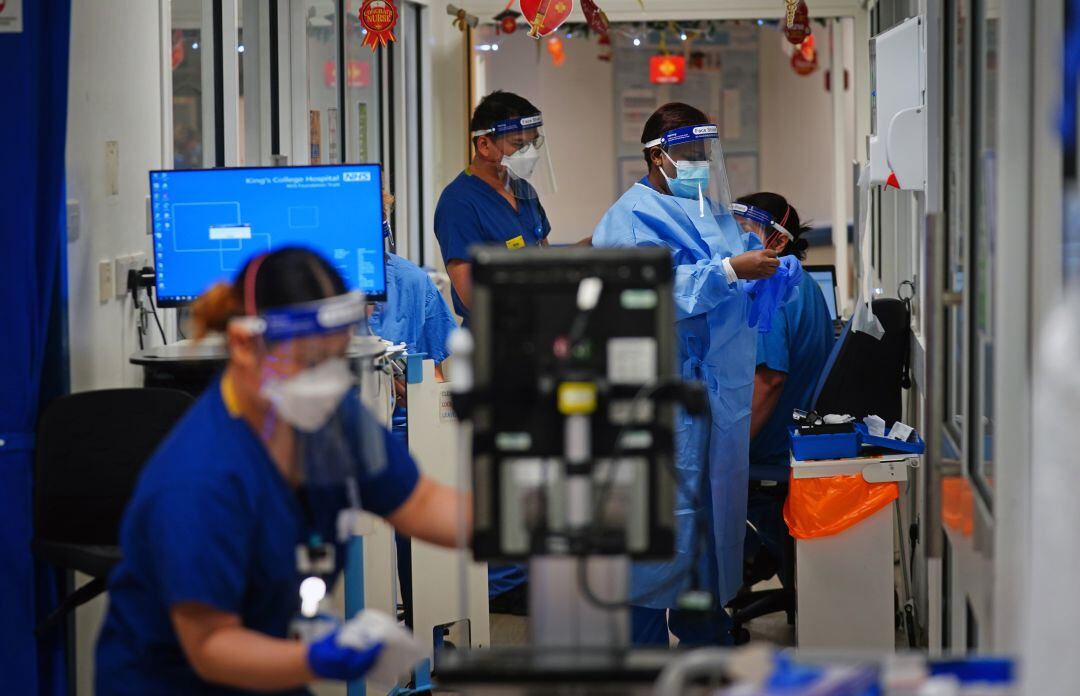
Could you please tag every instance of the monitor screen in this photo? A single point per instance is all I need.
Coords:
(825, 277)
(209, 222)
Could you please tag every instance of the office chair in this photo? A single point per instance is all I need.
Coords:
(91, 448)
(862, 376)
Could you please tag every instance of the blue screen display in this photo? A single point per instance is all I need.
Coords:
(209, 222)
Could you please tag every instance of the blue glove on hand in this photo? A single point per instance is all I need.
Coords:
(768, 294)
(794, 271)
(329, 660)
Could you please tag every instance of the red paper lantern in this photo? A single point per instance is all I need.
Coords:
(804, 59)
(555, 48)
(545, 16)
(667, 70)
(799, 28)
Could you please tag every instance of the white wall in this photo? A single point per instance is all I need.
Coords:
(578, 105)
(796, 145)
(114, 95)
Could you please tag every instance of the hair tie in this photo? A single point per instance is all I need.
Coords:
(783, 223)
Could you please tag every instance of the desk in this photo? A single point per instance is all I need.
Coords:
(846, 582)
(185, 365)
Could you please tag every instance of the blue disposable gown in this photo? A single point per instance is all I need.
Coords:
(716, 346)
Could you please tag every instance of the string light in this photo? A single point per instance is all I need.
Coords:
(682, 36)
(637, 41)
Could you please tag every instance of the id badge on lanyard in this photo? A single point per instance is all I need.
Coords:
(315, 562)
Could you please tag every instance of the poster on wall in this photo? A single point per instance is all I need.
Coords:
(636, 105)
(732, 118)
(721, 79)
(315, 137)
(742, 172)
(631, 169)
(331, 136)
(361, 135)
(11, 16)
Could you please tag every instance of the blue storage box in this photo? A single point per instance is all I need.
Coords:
(865, 438)
(827, 446)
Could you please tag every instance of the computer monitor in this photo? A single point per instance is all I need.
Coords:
(825, 276)
(208, 222)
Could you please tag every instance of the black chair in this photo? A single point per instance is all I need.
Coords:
(91, 448)
(862, 376)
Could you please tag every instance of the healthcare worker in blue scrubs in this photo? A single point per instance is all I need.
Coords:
(496, 200)
(682, 204)
(243, 500)
(790, 358)
(414, 312)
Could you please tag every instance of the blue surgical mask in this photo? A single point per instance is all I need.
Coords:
(691, 178)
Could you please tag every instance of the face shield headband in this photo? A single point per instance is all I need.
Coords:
(511, 125)
(686, 134)
(338, 313)
(773, 234)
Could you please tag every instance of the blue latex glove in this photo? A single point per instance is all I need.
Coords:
(794, 271)
(329, 660)
(766, 297)
(768, 294)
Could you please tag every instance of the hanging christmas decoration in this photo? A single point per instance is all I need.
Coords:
(797, 28)
(545, 16)
(555, 48)
(507, 21)
(595, 19)
(667, 70)
(462, 18)
(804, 59)
(378, 17)
(605, 52)
(789, 16)
(178, 45)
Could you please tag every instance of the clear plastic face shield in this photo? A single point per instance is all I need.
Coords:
(523, 155)
(692, 162)
(310, 384)
(772, 233)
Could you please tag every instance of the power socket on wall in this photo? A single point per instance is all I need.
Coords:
(131, 262)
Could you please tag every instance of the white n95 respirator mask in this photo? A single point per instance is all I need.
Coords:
(309, 398)
(523, 162)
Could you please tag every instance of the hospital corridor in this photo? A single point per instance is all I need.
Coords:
(540, 347)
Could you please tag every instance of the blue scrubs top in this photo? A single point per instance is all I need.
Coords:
(414, 312)
(798, 344)
(471, 212)
(213, 521)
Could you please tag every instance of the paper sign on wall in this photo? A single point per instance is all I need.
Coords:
(11, 16)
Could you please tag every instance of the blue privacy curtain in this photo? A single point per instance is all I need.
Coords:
(33, 123)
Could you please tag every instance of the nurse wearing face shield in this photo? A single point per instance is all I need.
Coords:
(496, 200)
(242, 508)
(683, 204)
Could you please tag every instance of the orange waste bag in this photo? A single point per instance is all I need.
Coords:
(819, 507)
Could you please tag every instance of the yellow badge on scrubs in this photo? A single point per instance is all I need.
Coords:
(517, 242)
